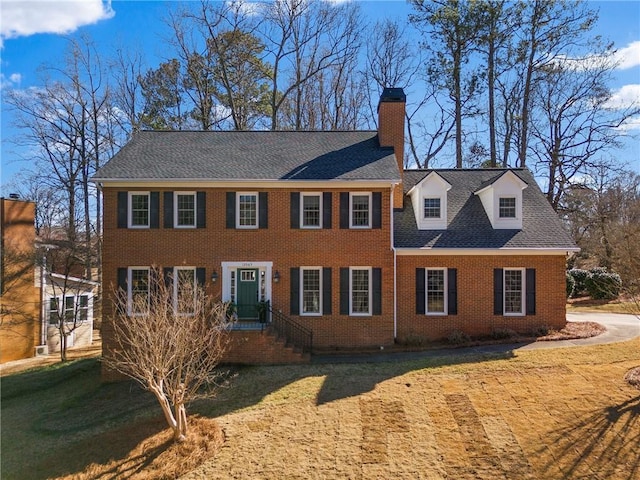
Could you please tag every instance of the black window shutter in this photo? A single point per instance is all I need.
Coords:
(376, 210)
(154, 214)
(344, 209)
(231, 209)
(263, 221)
(420, 291)
(168, 275)
(168, 209)
(123, 198)
(497, 291)
(344, 291)
(531, 291)
(201, 206)
(452, 291)
(294, 275)
(295, 210)
(326, 291)
(376, 283)
(201, 276)
(122, 279)
(326, 210)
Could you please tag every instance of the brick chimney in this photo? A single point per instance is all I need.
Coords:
(391, 113)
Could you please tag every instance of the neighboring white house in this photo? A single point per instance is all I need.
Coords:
(72, 297)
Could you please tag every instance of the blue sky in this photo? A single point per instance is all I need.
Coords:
(33, 32)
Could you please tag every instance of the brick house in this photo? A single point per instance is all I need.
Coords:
(349, 249)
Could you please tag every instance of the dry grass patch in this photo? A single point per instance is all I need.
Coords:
(158, 456)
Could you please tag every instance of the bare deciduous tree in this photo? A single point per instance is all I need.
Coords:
(170, 337)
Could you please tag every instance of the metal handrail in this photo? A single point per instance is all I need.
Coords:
(294, 333)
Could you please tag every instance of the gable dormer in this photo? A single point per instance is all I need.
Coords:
(502, 201)
(429, 199)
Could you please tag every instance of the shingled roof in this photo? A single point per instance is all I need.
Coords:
(468, 224)
(265, 155)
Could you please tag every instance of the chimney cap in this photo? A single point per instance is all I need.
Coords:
(393, 95)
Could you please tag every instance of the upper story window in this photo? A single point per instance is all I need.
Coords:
(431, 208)
(247, 210)
(507, 207)
(360, 211)
(139, 209)
(185, 209)
(311, 210)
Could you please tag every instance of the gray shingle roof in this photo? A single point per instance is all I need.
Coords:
(468, 224)
(265, 155)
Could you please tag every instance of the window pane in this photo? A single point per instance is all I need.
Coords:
(435, 291)
(513, 291)
(360, 210)
(311, 210)
(186, 210)
(53, 311)
(140, 210)
(185, 288)
(311, 291)
(431, 208)
(360, 291)
(248, 210)
(139, 290)
(507, 208)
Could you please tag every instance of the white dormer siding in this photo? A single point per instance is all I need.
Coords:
(502, 201)
(429, 199)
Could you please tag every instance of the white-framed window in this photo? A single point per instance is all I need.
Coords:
(311, 291)
(431, 208)
(360, 210)
(184, 213)
(138, 290)
(76, 308)
(139, 208)
(360, 290)
(247, 211)
(514, 291)
(311, 210)
(436, 291)
(507, 207)
(184, 290)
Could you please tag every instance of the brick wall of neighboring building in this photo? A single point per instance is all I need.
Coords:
(475, 296)
(208, 247)
(20, 296)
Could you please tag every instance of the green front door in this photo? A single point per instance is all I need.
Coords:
(247, 294)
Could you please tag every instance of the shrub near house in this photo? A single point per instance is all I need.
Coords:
(347, 248)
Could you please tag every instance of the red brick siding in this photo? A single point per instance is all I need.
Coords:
(391, 134)
(475, 295)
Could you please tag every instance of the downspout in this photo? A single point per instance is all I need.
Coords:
(395, 269)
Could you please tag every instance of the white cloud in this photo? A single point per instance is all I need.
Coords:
(629, 56)
(23, 18)
(10, 81)
(625, 97)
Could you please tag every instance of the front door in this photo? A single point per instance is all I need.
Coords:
(247, 300)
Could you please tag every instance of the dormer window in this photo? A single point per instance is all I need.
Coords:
(429, 199)
(432, 208)
(507, 207)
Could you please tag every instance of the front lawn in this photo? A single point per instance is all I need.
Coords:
(558, 413)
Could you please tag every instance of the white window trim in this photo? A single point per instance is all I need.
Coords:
(130, 290)
(523, 293)
(247, 227)
(310, 194)
(175, 209)
(370, 286)
(130, 209)
(360, 194)
(302, 312)
(75, 302)
(516, 207)
(175, 289)
(426, 292)
(432, 219)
